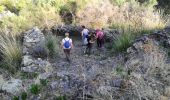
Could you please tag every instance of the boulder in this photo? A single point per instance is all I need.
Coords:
(167, 91)
(30, 69)
(110, 34)
(61, 29)
(44, 75)
(13, 86)
(27, 60)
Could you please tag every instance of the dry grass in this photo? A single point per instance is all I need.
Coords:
(11, 51)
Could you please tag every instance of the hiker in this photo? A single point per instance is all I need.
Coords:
(67, 45)
(91, 41)
(100, 38)
(84, 34)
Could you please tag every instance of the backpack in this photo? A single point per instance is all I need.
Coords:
(67, 44)
(100, 35)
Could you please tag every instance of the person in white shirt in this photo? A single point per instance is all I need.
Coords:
(67, 45)
(84, 34)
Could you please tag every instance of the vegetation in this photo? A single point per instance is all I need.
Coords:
(24, 96)
(15, 98)
(25, 75)
(60, 98)
(131, 17)
(51, 45)
(44, 82)
(11, 51)
(35, 89)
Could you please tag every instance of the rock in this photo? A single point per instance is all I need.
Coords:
(44, 75)
(30, 69)
(167, 91)
(34, 36)
(116, 82)
(1, 80)
(72, 29)
(130, 50)
(27, 60)
(104, 90)
(6, 14)
(54, 85)
(110, 34)
(13, 86)
(164, 98)
(138, 45)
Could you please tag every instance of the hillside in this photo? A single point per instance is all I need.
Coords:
(133, 64)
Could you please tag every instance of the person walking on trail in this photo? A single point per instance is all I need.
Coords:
(67, 45)
(84, 34)
(100, 38)
(91, 41)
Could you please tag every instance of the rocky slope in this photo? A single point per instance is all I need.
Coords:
(141, 74)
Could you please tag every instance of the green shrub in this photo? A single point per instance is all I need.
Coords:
(60, 98)
(52, 45)
(122, 42)
(25, 75)
(1, 8)
(35, 89)
(15, 98)
(24, 96)
(118, 2)
(44, 82)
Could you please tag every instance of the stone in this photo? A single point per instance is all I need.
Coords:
(104, 90)
(29, 69)
(164, 98)
(54, 85)
(27, 60)
(116, 82)
(167, 91)
(13, 86)
(138, 45)
(44, 75)
(130, 50)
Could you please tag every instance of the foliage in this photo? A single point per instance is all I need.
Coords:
(122, 42)
(118, 2)
(15, 98)
(60, 98)
(35, 89)
(165, 5)
(120, 71)
(1, 8)
(11, 51)
(44, 82)
(52, 45)
(25, 75)
(24, 96)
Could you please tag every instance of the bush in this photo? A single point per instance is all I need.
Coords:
(35, 89)
(11, 51)
(24, 96)
(44, 82)
(26, 75)
(52, 45)
(1, 8)
(60, 98)
(15, 98)
(122, 42)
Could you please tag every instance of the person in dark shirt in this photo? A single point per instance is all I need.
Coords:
(91, 41)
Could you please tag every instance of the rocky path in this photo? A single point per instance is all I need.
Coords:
(84, 71)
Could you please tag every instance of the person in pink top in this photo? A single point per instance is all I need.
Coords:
(100, 38)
